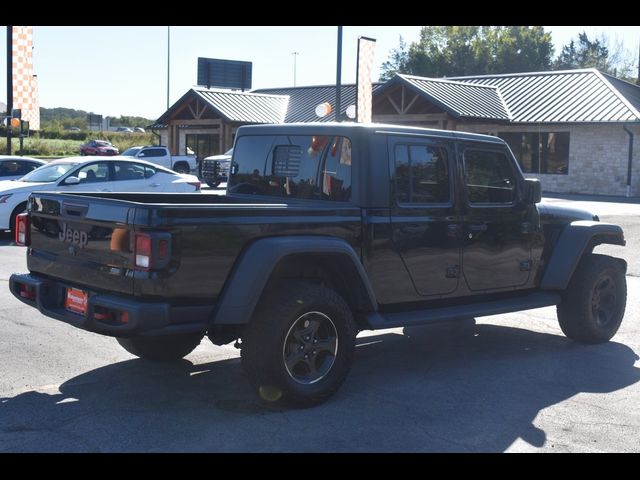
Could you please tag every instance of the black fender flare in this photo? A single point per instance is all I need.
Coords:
(254, 266)
(572, 244)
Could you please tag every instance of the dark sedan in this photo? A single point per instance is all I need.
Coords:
(98, 147)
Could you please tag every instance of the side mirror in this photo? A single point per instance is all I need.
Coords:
(532, 191)
(72, 181)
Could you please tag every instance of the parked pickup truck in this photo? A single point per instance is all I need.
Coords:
(215, 169)
(160, 155)
(326, 230)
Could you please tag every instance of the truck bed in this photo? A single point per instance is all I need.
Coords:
(207, 232)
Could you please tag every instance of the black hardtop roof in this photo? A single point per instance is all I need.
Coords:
(341, 128)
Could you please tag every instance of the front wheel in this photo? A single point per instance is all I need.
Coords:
(593, 305)
(162, 348)
(299, 346)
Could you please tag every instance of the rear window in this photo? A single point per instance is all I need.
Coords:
(301, 166)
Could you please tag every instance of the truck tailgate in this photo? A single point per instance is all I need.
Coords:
(69, 243)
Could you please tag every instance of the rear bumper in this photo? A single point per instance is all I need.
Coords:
(144, 318)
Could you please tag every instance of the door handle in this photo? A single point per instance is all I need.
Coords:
(154, 185)
(106, 189)
(413, 228)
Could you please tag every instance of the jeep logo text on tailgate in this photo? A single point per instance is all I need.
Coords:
(73, 236)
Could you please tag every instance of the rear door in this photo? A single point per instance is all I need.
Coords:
(424, 223)
(86, 241)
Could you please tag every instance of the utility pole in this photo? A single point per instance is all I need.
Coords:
(168, 61)
(295, 56)
(9, 84)
(339, 75)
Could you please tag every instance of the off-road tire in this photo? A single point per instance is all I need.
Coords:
(593, 305)
(161, 348)
(269, 335)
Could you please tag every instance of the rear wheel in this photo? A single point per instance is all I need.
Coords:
(181, 168)
(162, 348)
(299, 347)
(593, 305)
(213, 184)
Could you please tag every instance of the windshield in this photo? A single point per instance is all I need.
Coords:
(48, 173)
(131, 152)
(102, 143)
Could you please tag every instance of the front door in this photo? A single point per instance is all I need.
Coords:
(424, 224)
(497, 222)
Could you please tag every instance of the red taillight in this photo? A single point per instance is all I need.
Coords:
(23, 235)
(143, 251)
(27, 291)
(196, 184)
(152, 250)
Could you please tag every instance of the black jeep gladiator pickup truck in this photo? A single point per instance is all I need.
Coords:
(326, 230)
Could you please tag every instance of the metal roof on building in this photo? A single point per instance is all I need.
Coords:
(458, 98)
(304, 100)
(234, 106)
(245, 107)
(570, 96)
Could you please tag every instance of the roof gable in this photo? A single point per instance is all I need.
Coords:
(459, 98)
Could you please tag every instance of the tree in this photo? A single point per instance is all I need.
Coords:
(397, 61)
(601, 53)
(586, 54)
(472, 50)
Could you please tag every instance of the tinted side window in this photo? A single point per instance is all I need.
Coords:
(128, 171)
(9, 169)
(26, 167)
(148, 171)
(306, 167)
(489, 177)
(153, 152)
(421, 174)
(95, 172)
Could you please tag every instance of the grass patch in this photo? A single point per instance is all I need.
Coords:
(50, 147)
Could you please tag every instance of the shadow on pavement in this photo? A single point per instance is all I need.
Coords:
(6, 238)
(463, 387)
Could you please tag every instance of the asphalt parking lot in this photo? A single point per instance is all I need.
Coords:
(504, 383)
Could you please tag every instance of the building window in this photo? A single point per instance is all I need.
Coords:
(546, 152)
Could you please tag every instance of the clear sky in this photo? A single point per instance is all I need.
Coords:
(123, 70)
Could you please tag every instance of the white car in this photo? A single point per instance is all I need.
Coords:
(13, 167)
(93, 174)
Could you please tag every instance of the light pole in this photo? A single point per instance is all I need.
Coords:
(338, 75)
(295, 56)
